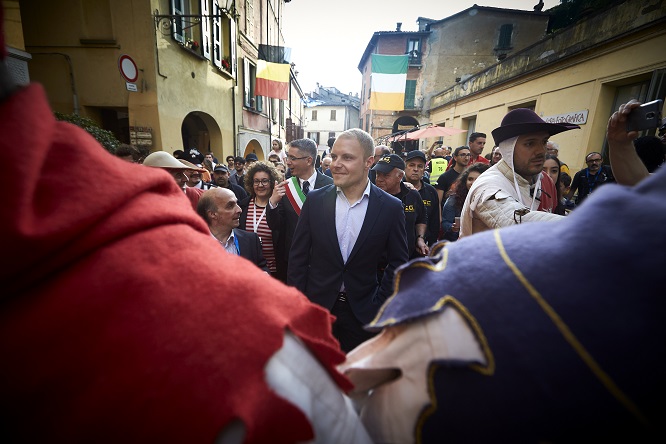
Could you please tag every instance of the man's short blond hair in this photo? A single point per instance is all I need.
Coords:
(364, 139)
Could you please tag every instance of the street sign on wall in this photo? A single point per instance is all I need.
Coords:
(129, 71)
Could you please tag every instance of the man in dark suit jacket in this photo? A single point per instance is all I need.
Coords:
(219, 208)
(342, 235)
(250, 247)
(301, 162)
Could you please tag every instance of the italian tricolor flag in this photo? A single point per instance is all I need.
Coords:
(387, 82)
(295, 194)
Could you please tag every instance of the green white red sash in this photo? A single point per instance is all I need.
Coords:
(295, 194)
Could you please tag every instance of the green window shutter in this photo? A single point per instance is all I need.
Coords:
(504, 41)
(410, 93)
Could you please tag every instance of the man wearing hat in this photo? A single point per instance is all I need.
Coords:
(414, 169)
(529, 364)
(178, 170)
(390, 170)
(250, 159)
(222, 179)
(514, 190)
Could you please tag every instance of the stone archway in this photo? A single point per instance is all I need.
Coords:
(200, 130)
(404, 123)
(253, 146)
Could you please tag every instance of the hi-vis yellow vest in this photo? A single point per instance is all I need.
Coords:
(437, 167)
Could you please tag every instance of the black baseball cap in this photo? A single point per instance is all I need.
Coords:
(416, 154)
(388, 162)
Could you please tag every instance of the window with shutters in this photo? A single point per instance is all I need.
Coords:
(212, 35)
(223, 40)
(314, 115)
(250, 100)
(314, 136)
(414, 51)
(179, 29)
(249, 19)
(410, 93)
(505, 33)
(333, 113)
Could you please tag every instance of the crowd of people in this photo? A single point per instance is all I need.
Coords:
(339, 228)
(133, 311)
(444, 195)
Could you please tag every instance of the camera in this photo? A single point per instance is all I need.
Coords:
(646, 116)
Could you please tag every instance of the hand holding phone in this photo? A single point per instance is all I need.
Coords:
(646, 116)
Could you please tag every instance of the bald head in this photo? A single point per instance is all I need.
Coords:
(219, 208)
(381, 151)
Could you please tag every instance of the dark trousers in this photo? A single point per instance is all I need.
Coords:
(346, 328)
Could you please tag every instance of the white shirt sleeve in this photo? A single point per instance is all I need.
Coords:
(295, 375)
(298, 377)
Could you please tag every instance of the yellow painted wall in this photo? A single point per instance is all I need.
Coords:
(191, 85)
(12, 25)
(585, 83)
(94, 34)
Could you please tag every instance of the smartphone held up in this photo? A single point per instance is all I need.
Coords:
(646, 116)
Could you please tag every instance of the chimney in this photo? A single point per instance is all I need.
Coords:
(398, 26)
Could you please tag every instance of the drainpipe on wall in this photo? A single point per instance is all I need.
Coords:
(75, 96)
(235, 129)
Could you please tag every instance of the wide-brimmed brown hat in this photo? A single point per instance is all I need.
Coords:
(525, 121)
(192, 166)
(162, 159)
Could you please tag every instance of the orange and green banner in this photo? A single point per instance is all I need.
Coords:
(387, 82)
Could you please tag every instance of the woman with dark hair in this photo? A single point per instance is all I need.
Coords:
(552, 168)
(456, 198)
(260, 182)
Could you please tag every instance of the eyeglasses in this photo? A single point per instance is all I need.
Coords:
(262, 182)
(593, 160)
(292, 158)
(465, 155)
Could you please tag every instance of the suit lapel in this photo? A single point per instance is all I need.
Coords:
(374, 206)
(320, 181)
(328, 213)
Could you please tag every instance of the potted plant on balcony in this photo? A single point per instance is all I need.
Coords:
(226, 64)
(192, 44)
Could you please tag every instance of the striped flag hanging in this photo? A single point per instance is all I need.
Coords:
(387, 82)
(295, 194)
(273, 72)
